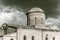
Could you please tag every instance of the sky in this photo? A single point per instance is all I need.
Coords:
(51, 8)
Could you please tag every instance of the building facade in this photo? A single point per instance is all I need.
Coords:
(35, 29)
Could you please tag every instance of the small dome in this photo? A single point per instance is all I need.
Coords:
(36, 9)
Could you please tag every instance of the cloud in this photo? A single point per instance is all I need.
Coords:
(12, 16)
(54, 23)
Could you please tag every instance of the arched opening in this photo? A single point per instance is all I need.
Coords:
(24, 37)
(46, 38)
(35, 20)
(11, 39)
(32, 37)
(42, 20)
(53, 38)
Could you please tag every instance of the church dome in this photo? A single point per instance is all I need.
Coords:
(36, 9)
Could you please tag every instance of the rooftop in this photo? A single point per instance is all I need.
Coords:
(33, 27)
(36, 9)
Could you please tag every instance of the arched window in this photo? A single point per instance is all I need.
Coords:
(5, 27)
(46, 38)
(11, 39)
(53, 38)
(41, 20)
(28, 21)
(35, 20)
(24, 37)
(5, 30)
(32, 37)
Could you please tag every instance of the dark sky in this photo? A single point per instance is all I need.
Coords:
(51, 7)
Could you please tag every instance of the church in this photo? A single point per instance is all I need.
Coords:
(35, 29)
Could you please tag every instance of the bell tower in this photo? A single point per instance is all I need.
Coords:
(36, 16)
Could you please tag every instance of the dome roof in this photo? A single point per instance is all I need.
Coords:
(36, 9)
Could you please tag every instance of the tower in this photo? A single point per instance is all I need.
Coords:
(36, 16)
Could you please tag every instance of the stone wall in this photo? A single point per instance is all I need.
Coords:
(51, 35)
(1, 38)
(10, 36)
(29, 33)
